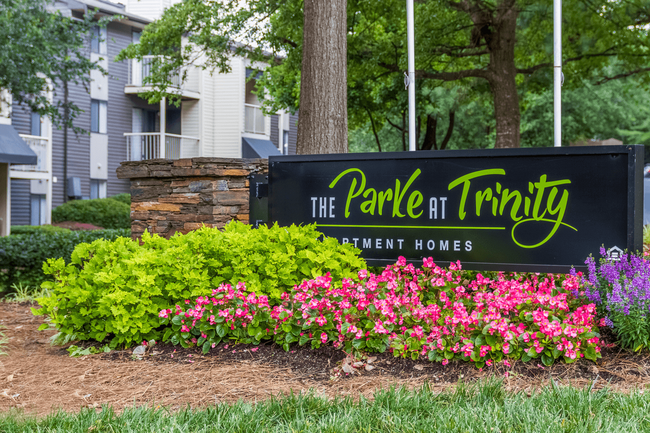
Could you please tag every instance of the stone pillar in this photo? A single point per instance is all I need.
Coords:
(168, 196)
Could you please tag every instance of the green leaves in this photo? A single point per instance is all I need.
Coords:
(103, 212)
(42, 46)
(116, 289)
(24, 255)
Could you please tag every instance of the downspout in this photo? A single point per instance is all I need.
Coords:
(66, 116)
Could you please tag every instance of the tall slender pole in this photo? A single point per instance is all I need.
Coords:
(66, 119)
(410, 26)
(557, 72)
(163, 128)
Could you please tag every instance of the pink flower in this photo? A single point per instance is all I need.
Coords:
(445, 361)
(323, 338)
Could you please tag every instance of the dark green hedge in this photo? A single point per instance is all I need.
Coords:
(22, 256)
(28, 230)
(124, 198)
(103, 212)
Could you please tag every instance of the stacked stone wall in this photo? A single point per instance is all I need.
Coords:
(182, 195)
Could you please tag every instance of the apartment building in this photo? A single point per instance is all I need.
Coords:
(219, 116)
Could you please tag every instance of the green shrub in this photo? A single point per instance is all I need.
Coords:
(102, 212)
(115, 289)
(22, 256)
(124, 198)
(28, 230)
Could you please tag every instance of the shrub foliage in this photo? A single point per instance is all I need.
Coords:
(22, 256)
(103, 212)
(124, 198)
(28, 230)
(115, 289)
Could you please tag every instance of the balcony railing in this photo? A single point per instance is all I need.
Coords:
(139, 70)
(39, 145)
(146, 145)
(254, 119)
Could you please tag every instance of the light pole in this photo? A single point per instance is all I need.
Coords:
(557, 73)
(411, 73)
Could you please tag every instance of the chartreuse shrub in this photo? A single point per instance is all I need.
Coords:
(22, 256)
(114, 290)
(103, 212)
(430, 312)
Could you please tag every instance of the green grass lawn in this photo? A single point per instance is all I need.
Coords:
(483, 408)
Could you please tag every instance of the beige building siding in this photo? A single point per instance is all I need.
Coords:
(223, 125)
(190, 125)
(152, 9)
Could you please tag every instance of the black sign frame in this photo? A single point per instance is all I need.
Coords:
(634, 155)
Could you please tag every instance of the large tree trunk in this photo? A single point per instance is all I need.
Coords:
(501, 76)
(323, 121)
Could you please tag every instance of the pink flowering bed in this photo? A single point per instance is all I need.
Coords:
(412, 312)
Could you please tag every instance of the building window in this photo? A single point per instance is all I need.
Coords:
(97, 188)
(98, 40)
(98, 116)
(38, 211)
(36, 125)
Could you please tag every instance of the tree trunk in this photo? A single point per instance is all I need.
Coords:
(323, 121)
(430, 134)
(450, 130)
(501, 76)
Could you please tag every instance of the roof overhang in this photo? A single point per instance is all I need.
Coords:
(257, 148)
(13, 149)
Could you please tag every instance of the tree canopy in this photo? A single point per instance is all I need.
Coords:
(468, 52)
(41, 47)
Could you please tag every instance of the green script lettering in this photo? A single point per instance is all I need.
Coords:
(377, 200)
(500, 198)
(466, 180)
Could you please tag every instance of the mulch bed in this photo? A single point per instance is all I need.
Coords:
(39, 378)
(615, 366)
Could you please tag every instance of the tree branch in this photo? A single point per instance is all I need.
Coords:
(452, 53)
(452, 76)
(572, 59)
(444, 76)
(624, 75)
(374, 130)
(393, 125)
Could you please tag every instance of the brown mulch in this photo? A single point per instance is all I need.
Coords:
(40, 378)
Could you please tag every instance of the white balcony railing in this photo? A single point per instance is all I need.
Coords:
(254, 119)
(139, 70)
(146, 145)
(40, 146)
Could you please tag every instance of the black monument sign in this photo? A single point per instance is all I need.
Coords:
(511, 209)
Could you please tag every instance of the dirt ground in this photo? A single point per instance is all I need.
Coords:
(39, 378)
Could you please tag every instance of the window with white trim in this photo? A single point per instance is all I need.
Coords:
(97, 188)
(98, 40)
(98, 116)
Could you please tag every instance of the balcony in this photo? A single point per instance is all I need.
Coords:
(40, 146)
(254, 119)
(140, 70)
(141, 146)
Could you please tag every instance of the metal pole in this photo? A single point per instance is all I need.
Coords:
(163, 128)
(411, 73)
(557, 72)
